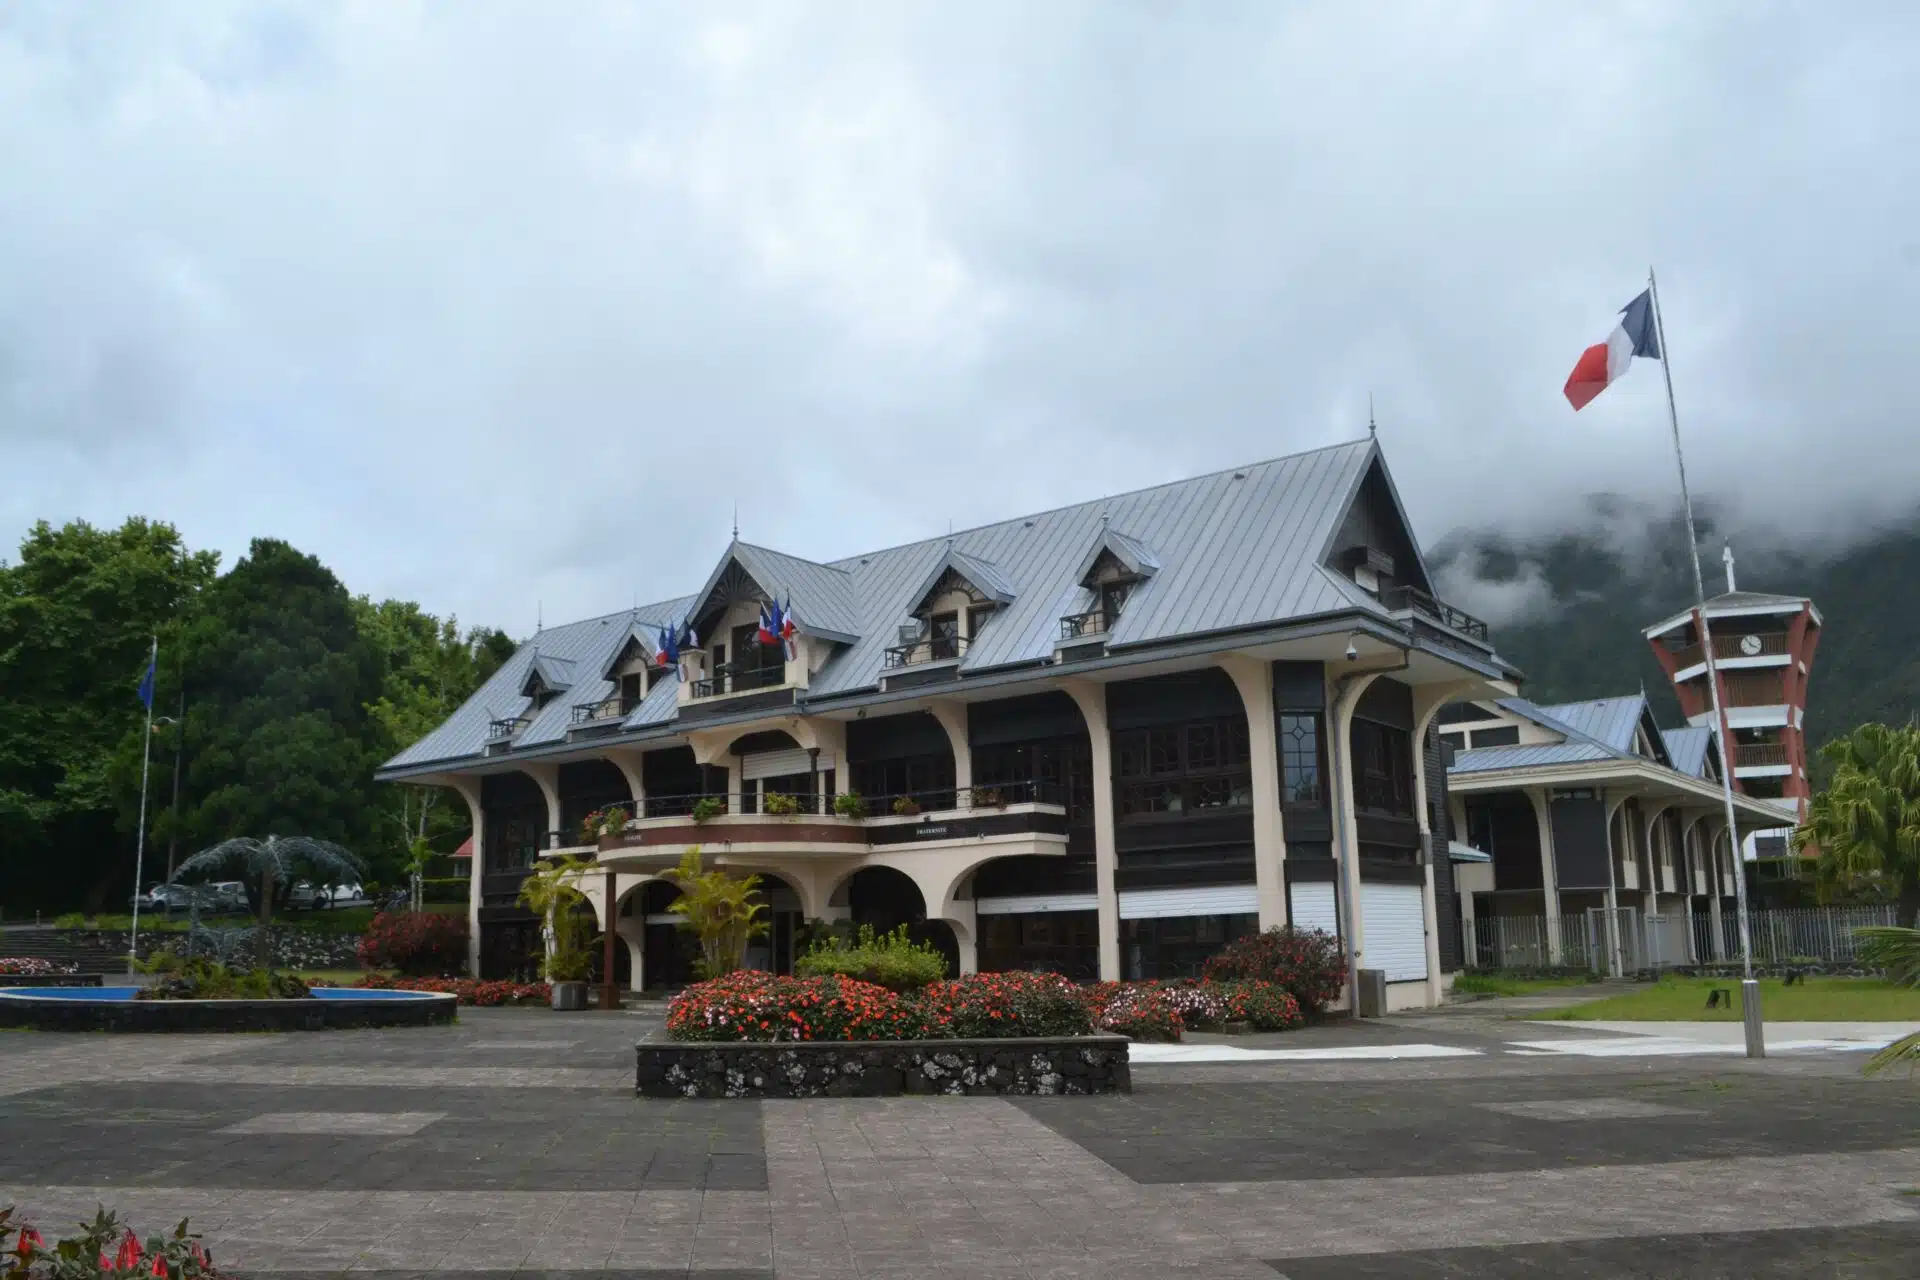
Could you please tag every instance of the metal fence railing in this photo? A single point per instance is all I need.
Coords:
(1630, 941)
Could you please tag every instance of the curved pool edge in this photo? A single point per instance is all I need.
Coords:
(115, 1009)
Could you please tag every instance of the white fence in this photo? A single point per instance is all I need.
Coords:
(1625, 940)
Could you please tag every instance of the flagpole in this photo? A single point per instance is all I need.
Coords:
(140, 837)
(1749, 988)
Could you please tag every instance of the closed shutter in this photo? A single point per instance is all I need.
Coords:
(1313, 907)
(775, 764)
(1395, 932)
(1163, 904)
(1033, 904)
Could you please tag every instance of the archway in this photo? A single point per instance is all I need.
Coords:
(668, 951)
(887, 899)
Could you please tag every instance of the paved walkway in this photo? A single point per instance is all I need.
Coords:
(513, 1142)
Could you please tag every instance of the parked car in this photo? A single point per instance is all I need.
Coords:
(224, 896)
(165, 897)
(345, 895)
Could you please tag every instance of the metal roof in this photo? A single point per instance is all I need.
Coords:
(1239, 548)
(1608, 720)
(556, 674)
(1133, 555)
(1688, 748)
(1485, 759)
(986, 579)
(1734, 602)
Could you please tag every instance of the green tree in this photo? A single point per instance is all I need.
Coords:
(1865, 823)
(723, 911)
(1898, 952)
(78, 613)
(552, 892)
(281, 680)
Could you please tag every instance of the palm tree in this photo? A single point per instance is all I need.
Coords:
(274, 862)
(1898, 952)
(723, 912)
(1866, 823)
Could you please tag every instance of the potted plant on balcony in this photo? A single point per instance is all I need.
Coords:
(552, 892)
(988, 798)
(848, 804)
(906, 806)
(708, 807)
(779, 804)
(601, 823)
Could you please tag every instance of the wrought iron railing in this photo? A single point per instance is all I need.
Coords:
(931, 649)
(1093, 622)
(618, 707)
(501, 730)
(985, 796)
(1173, 797)
(738, 678)
(1414, 600)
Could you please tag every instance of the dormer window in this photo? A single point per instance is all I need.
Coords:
(950, 607)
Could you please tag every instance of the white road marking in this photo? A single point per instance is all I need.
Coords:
(1181, 1053)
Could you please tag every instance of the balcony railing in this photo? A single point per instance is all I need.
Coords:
(1772, 645)
(1761, 688)
(986, 796)
(1076, 626)
(931, 649)
(503, 730)
(1758, 754)
(737, 678)
(618, 707)
(1414, 600)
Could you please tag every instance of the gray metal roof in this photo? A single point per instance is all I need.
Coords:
(1608, 720)
(1688, 748)
(1732, 602)
(1485, 759)
(1237, 548)
(554, 672)
(1134, 556)
(984, 576)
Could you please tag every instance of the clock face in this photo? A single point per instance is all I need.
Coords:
(1750, 645)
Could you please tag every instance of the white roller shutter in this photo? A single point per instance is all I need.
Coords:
(1032, 904)
(1163, 904)
(1313, 907)
(775, 764)
(1395, 931)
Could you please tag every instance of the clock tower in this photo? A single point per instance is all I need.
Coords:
(1763, 647)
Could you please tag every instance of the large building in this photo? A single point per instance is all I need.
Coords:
(1103, 739)
(1763, 650)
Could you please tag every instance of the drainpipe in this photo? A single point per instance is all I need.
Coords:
(1342, 768)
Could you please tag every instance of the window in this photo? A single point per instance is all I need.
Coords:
(1505, 735)
(1300, 760)
(1185, 768)
(977, 618)
(943, 638)
(1458, 741)
(1113, 598)
(630, 688)
(719, 656)
(541, 699)
(1382, 768)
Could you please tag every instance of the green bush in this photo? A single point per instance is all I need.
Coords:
(198, 978)
(850, 805)
(889, 960)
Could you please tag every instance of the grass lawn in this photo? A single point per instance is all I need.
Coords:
(331, 920)
(1496, 984)
(338, 977)
(1813, 1000)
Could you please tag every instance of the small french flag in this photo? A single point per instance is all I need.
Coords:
(1604, 363)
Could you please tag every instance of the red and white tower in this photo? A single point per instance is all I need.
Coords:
(1763, 649)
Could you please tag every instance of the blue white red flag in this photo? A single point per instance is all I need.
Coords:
(769, 623)
(1604, 363)
(146, 681)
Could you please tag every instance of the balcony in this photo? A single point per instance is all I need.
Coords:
(501, 733)
(931, 649)
(1017, 818)
(1412, 600)
(1734, 648)
(1084, 626)
(1754, 688)
(1760, 755)
(616, 708)
(735, 677)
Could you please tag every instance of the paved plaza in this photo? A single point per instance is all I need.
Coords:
(1449, 1144)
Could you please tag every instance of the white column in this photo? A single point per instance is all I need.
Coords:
(629, 763)
(469, 789)
(1346, 840)
(1711, 857)
(1549, 874)
(547, 776)
(1092, 701)
(1427, 701)
(1614, 967)
(1254, 679)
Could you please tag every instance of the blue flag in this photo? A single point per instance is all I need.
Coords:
(146, 682)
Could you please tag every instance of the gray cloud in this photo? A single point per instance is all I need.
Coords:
(489, 307)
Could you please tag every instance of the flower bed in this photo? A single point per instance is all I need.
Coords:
(103, 1248)
(840, 1068)
(753, 1006)
(471, 991)
(1307, 963)
(33, 967)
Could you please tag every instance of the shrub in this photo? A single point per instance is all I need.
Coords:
(418, 943)
(1265, 1006)
(33, 967)
(103, 1247)
(906, 806)
(1143, 1011)
(1307, 962)
(889, 960)
(994, 1005)
(751, 1005)
(849, 805)
(608, 821)
(198, 978)
(467, 990)
(779, 804)
(708, 807)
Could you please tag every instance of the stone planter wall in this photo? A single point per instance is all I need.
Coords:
(290, 948)
(876, 1069)
(224, 1015)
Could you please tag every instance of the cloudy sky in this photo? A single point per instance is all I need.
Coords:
(504, 307)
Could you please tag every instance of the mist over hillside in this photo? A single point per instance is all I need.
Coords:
(1568, 607)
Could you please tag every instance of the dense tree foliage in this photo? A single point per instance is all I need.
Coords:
(294, 692)
(1865, 823)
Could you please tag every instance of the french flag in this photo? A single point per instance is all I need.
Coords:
(769, 623)
(1604, 363)
(784, 619)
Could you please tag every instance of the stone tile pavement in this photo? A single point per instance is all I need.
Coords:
(491, 1149)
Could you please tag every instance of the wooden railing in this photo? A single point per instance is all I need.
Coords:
(1754, 688)
(1756, 754)
(1772, 645)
